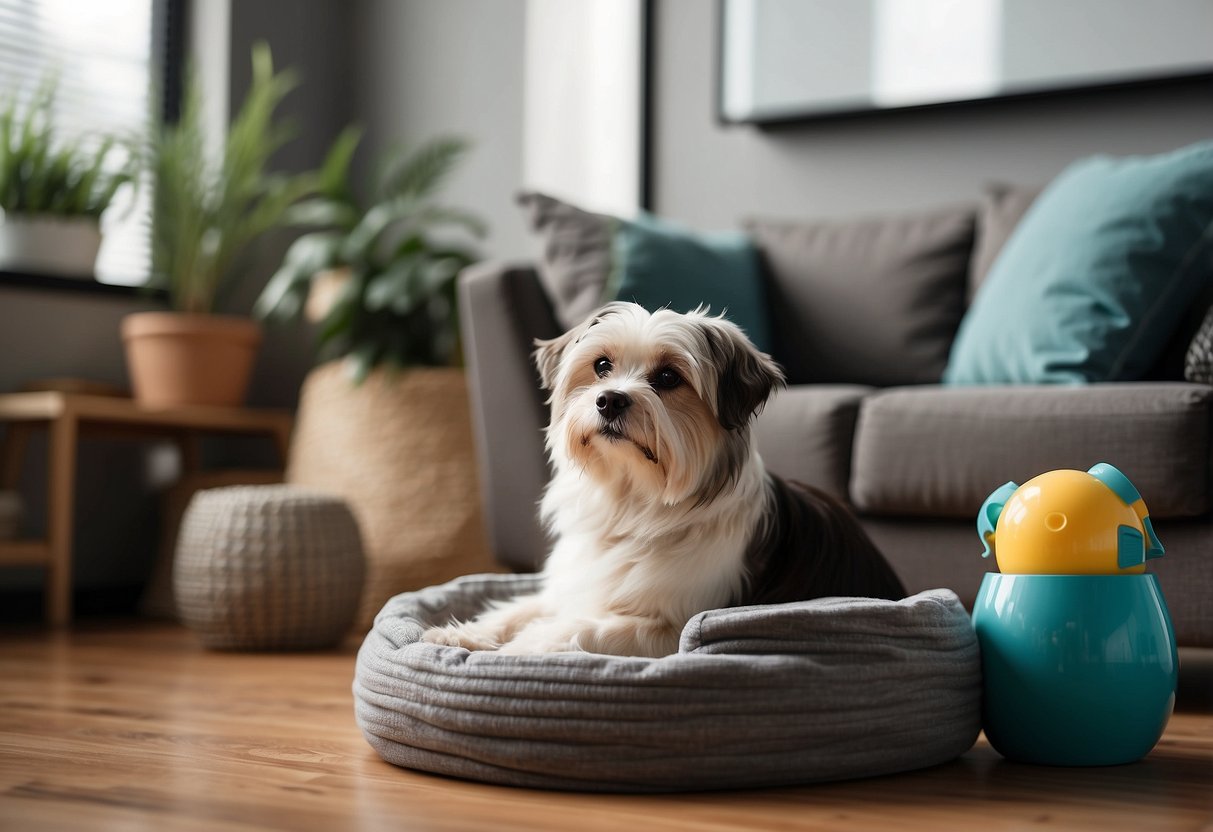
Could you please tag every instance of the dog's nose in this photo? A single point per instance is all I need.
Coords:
(612, 403)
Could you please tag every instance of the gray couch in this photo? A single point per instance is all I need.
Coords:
(914, 458)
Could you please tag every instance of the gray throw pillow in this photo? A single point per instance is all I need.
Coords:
(869, 301)
(1002, 207)
(576, 254)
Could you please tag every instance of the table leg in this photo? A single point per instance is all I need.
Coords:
(12, 454)
(60, 511)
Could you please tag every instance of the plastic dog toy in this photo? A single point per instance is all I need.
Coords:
(1069, 523)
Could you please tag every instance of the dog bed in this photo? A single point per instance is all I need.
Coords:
(756, 696)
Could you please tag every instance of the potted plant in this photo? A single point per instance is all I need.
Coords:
(385, 421)
(206, 211)
(53, 191)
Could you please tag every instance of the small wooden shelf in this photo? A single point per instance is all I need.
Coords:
(24, 553)
(68, 416)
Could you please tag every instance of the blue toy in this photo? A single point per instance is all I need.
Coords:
(1078, 650)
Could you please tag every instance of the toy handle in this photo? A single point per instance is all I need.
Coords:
(991, 510)
(1113, 478)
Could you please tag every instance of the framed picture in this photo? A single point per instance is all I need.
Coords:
(796, 60)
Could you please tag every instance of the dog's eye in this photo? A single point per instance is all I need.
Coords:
(665, 379)
(603, 366)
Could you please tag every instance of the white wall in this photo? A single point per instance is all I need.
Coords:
(581, 102)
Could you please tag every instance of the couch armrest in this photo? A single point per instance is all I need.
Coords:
(503, 309)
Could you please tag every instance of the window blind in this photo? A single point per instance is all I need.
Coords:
(109, 60)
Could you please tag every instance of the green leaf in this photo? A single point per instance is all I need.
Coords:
(335, 171)
(435, 215)
(287, 289)
(418, 174)
(359, 246)
(321, 211)
(362, 360)
(393, 287)
(208, 211)
(405, 253)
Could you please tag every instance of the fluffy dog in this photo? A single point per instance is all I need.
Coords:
(660, 505)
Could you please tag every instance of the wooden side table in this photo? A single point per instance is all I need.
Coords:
(67, 416)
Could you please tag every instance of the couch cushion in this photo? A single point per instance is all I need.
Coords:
(805, 433)
(874, 301)
(939, 452)
(1097, 275)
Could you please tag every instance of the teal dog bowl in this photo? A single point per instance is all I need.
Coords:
(1080, 670)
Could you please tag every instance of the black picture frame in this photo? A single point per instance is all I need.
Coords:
(800, 119)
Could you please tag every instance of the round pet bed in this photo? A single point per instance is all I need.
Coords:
(756, 696)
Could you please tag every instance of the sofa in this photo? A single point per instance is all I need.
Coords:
(865, 416)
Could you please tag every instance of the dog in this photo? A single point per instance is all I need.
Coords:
(660, 504)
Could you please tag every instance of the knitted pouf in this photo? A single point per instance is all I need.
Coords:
(268, 567)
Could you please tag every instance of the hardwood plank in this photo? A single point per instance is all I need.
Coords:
(135, 726)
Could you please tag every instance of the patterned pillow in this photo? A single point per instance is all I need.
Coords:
(1198, 364)
(576, 256)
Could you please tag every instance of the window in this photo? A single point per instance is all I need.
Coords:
(110, 58)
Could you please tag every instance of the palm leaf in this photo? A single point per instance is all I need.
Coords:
(335, 170)
(207, 213)
(418, 174)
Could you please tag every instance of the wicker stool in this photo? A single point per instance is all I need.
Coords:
(268, 567)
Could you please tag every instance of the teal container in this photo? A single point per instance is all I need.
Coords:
(1080, 670)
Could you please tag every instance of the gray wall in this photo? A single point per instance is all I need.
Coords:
(711, 176)
(455, 66)
(46, 334)
(318, 46)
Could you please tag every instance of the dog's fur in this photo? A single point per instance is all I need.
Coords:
(661, 506)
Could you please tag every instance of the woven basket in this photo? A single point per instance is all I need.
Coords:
(267, 567)
(398, 448)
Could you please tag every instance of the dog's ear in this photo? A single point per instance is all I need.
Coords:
(548, 354)
(745, 377)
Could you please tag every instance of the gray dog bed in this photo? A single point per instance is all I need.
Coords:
(756, 696)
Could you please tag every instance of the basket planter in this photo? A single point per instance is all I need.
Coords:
(177, 359)
(398, 448)
(64, 246)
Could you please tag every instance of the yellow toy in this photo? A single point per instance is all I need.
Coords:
(1069, 523)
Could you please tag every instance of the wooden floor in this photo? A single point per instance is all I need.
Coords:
(133, 726)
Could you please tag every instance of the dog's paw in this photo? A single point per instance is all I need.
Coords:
(530, 646)
(455, 635)
(546, 637)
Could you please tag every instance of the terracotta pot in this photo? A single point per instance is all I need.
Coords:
(398, 448)
(175, 359)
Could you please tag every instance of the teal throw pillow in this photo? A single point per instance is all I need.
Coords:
(659, 264)
(1096, 276)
